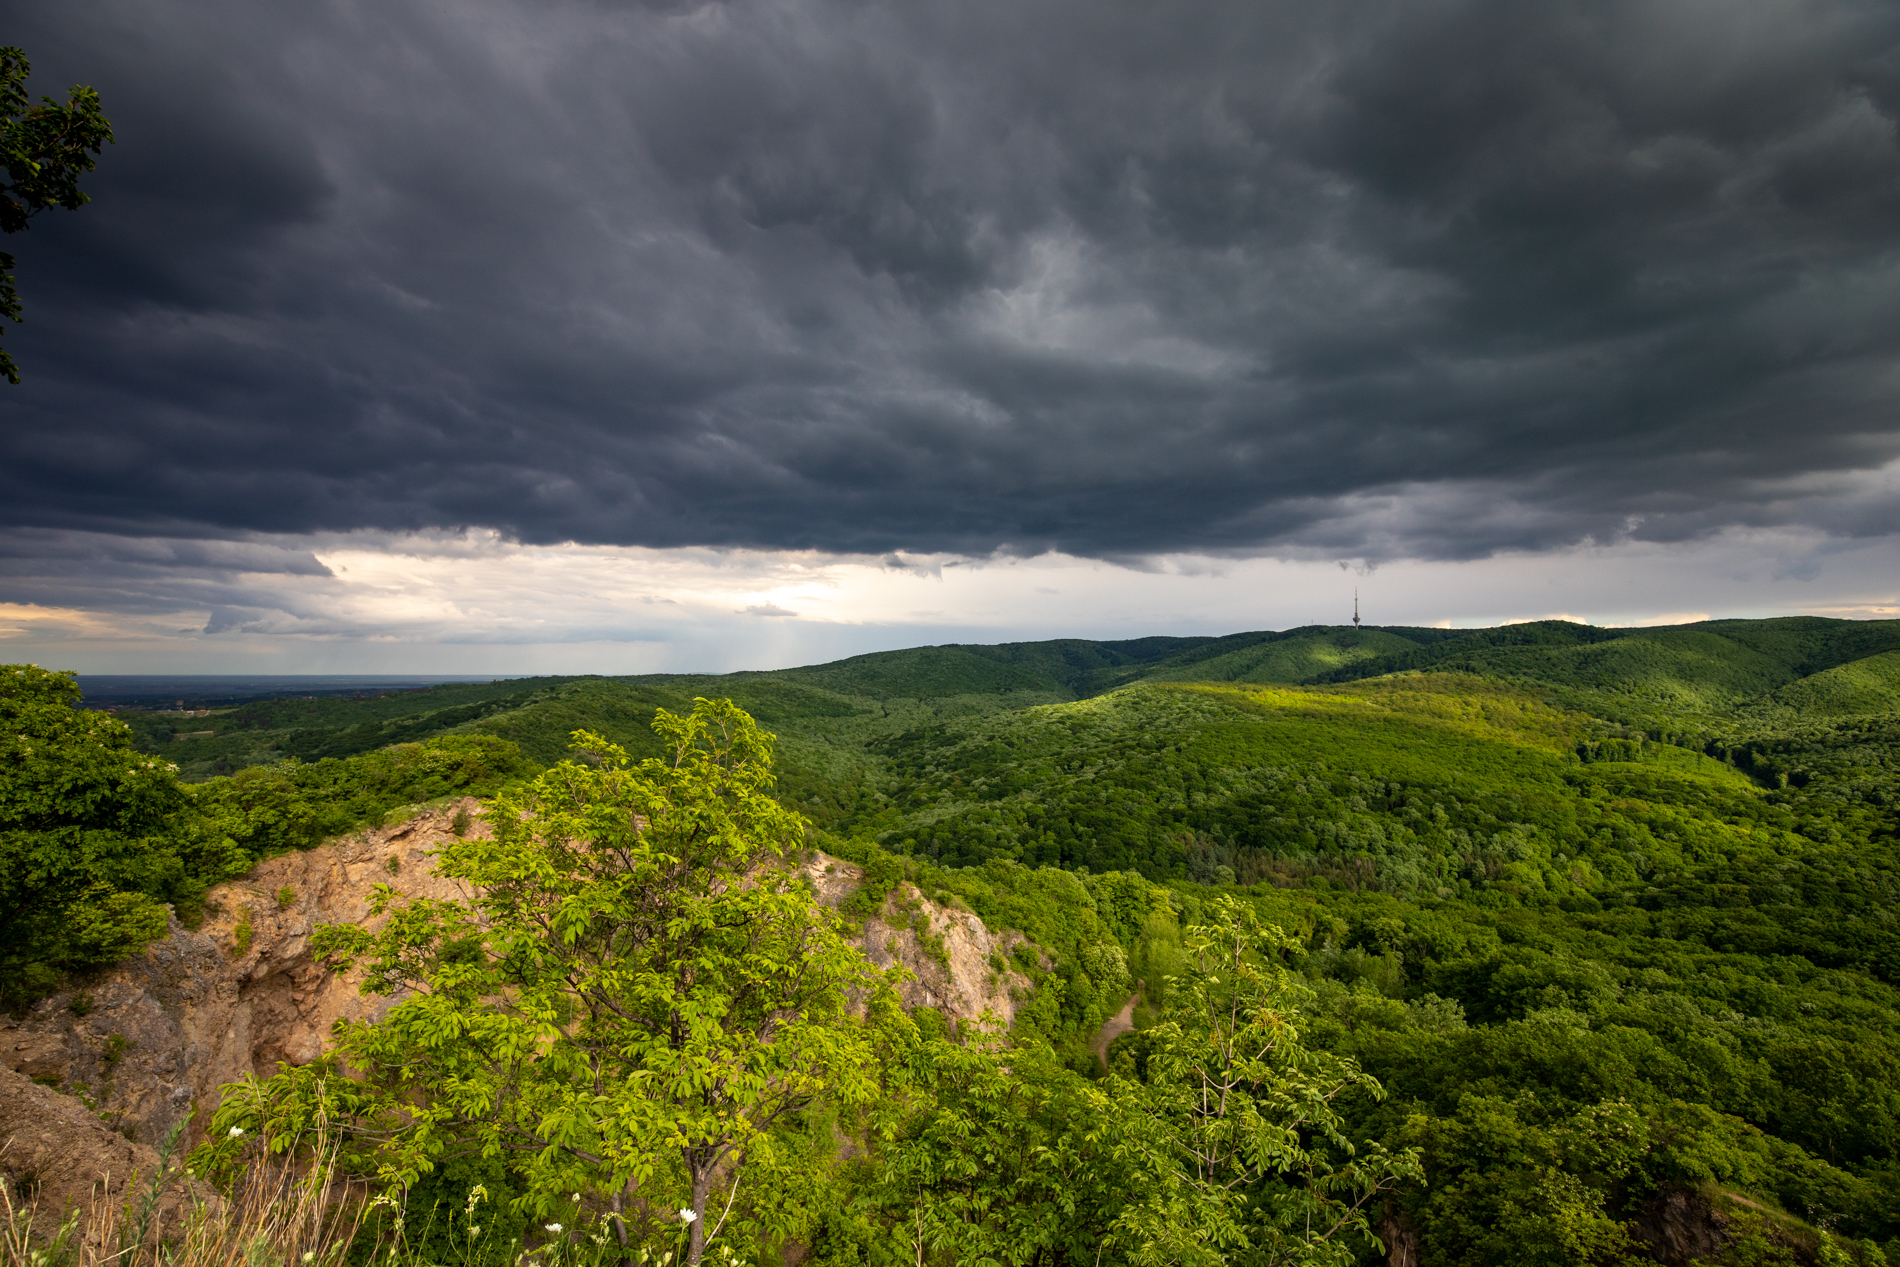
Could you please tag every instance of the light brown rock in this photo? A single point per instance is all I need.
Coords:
(192, 1013)
(56, 1155)
(951, 956)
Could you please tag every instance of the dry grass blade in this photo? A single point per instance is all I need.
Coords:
(293, 1210)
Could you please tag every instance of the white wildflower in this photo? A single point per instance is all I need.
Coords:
(687, 1216)
(236, 1132)
(553, 1227)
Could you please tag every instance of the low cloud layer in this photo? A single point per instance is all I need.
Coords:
(1366, 279)
(367, 602)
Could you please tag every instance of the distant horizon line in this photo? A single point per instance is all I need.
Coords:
(105, 681)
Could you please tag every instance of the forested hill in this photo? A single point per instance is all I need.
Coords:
(1687, 680)
(1549, 879)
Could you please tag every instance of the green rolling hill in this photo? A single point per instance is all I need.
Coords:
(1694, 684)
(1867, 685)
(1301, 656)
(1545, 875)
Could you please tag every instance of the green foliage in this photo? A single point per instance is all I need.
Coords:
(1547, 1202)
(1555, 897)
(993, 1154)
(291, 805)
(1868, 685)
(1421, 784)
(44, 149)
(642, 996)
(1701, 667)
(992, 1150)
(1233, 1132)
(88, 836)
(463, 1212)
(1297, 657)
(924, 672)
(1561, 891)
(1078, 929)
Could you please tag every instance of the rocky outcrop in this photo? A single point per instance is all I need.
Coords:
(1400, 1237)
(1681, 1226)
(150, 1043)
(1685, 1226)
(955, 963)
(58, 1154)
(154, 1038)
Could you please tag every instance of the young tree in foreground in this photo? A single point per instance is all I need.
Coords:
(44, 150)
(1238, 1152)
(639, 994)
(1221, 1148)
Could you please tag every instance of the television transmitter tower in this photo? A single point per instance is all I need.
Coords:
(1355, 609)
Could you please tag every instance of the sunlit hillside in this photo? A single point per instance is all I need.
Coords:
(1543, 877)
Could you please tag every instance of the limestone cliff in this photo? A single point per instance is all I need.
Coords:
(60, 1155)
(158, 1034)
(956, 964)
(149, 1042)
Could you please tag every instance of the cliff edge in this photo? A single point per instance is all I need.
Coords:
(148, 1043)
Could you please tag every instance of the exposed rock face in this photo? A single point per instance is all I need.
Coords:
(1681, 1227)
(952, 957)
(1401, 1239)
(58, 1153)
(164, 1030)
(169, 1027)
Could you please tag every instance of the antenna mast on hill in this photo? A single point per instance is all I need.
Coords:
(1355, 609)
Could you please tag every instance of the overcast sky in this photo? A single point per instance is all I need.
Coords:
(495, 336)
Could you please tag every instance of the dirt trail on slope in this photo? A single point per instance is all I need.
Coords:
(1123, 1022)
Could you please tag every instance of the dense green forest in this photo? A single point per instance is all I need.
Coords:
(1609, 914)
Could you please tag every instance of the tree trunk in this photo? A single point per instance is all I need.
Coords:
(696, 1234)
(620, 1225)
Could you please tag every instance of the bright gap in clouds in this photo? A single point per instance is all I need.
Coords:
(475, 603)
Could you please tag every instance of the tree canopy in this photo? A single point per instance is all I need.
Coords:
(44, 149)
(86, 826)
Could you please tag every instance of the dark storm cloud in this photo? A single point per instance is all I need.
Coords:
(1433, 279)
(152, 576)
